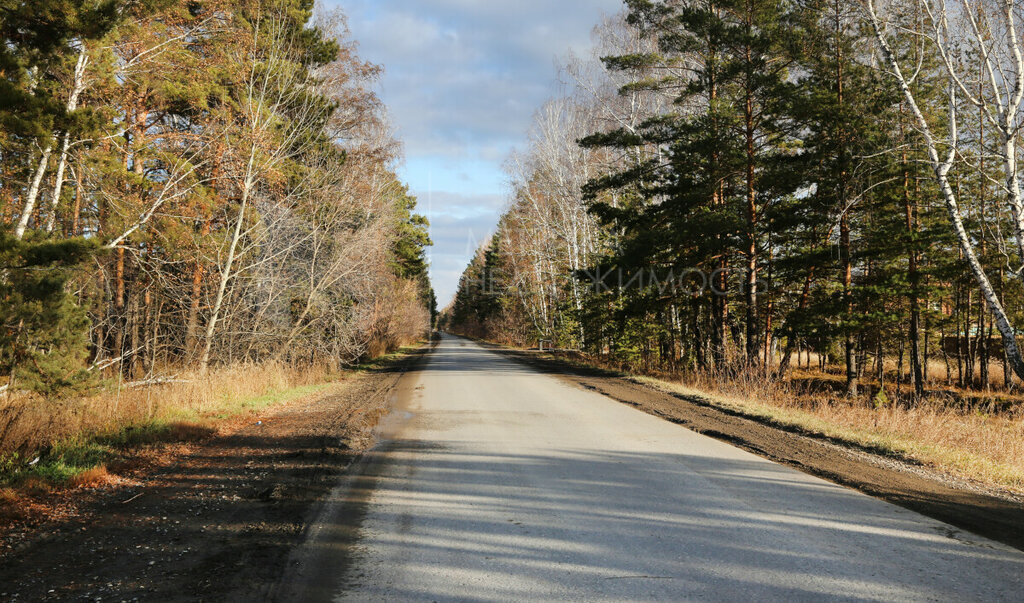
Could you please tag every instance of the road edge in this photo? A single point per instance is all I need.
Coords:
(994, 517)
(337, 515)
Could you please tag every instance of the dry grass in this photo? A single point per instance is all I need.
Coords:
(90, 477)
(29, 423)
(978, 436)
(10, 509)
(47, 443)
(937, 376)
(975, 445)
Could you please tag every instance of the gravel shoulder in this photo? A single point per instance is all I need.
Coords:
(213, 519)
(995, 515)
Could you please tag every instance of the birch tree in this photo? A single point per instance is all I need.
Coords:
(1007, 87)
(276, 117)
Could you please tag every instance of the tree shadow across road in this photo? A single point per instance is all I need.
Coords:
(460, 525)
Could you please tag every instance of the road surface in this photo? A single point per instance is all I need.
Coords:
(496, 482)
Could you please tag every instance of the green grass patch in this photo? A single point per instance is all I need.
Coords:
(65, 460)
(58, 465)
(233, 406)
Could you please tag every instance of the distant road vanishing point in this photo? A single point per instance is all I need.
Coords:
(495, 482)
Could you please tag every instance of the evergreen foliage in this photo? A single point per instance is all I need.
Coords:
(44, 336)
(761, 191)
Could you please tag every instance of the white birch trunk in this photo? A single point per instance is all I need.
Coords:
(941, 169)
(33, 193)
(226, 274)
(76, 91)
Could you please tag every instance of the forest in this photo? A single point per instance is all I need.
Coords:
(812, 192)
(187, 188)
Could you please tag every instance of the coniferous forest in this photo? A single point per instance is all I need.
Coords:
(808, 191)
(187, 186)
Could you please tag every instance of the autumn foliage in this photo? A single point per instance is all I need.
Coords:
(186, 186)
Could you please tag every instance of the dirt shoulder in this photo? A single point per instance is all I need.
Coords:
(966, 506)
(211, 520)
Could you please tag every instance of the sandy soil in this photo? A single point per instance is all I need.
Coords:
(211, 520)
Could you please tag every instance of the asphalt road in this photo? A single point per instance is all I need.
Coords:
(495, 482)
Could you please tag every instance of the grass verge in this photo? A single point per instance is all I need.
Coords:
(82, 459)
(973, 446)
(92, 433)
(982, 447)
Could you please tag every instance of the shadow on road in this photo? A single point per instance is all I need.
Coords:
(593, 529)
(451, 519)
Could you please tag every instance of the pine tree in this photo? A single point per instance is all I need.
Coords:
(44, 332)
(412, 237)
(837, 92)
(39, 40)
(761, 58)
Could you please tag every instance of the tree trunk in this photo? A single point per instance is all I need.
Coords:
(983, 335)
(58, 184)
(195, 300)
(225, 276)
(136, 341)
(76, 213)
(957, 311)
(941, 168)
(924, 350)
(914, 335)
(850, 347)
(33, 193)
(844, 224)
(119, 320)
(753, 330)
(791, 334)
(880, 364)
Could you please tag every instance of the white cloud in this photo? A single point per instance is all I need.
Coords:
(462, 79)
(458, 225)
(464, 74)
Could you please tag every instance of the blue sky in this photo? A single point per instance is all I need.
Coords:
(462, 79)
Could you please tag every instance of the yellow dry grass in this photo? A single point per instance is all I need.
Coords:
(980, 446)
(28, 423)
(90, 477)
